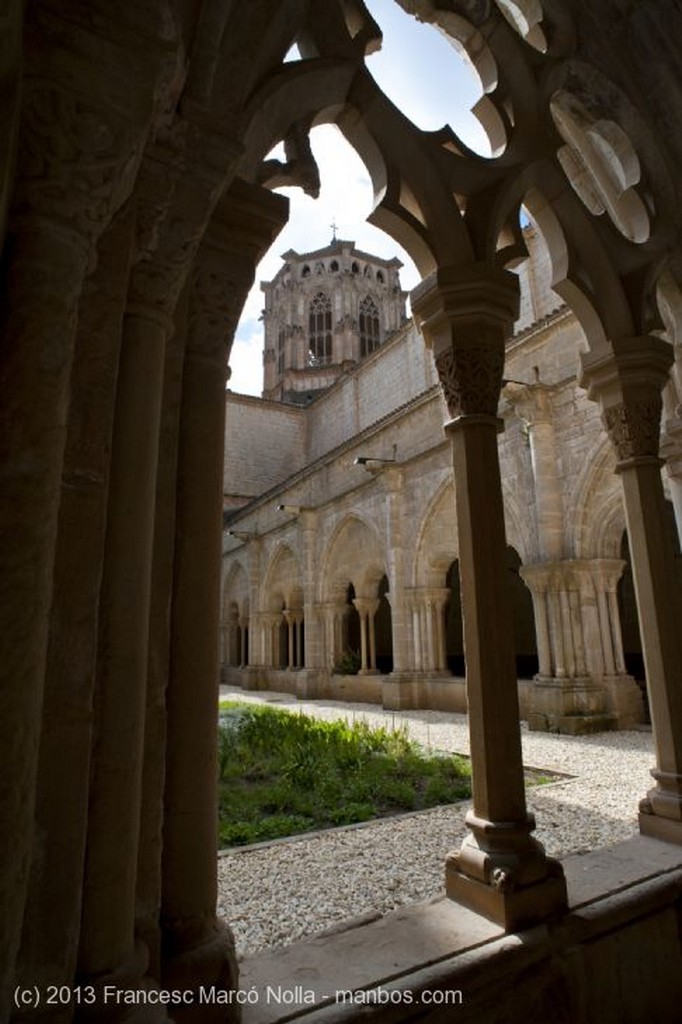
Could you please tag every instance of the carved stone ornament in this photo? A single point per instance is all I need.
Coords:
(471, 379)
(76, 160)
(634, 428)
(216, 302)
(346, 323)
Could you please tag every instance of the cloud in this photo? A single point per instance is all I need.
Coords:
(246, 360)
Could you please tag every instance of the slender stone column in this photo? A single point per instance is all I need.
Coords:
(416, 635)
(628, 383)
(372, 610)
(312, 655)
(577, 629)
(501, 870)
(556, 629)
(393, 483)
(53, 909)
(362, 612)
(441, 597)
(291, 624)
(78, 148)
(106, 946)
(605, 630)
(243, 655)
(424, 634)
(198, 949)
(616, 633)
(148, 887)
(300, 660)
(535, 577)
(173, 208)
(565, 619)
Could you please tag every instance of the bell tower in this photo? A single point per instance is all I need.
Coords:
(324, 312)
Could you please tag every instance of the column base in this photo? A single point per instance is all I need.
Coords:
(307, 684)
(624, 699)
(574, 705)
(401, 691)
(207, 963)
(512, 908)
(502, 872)
(666, 829)
(128, 977)
(660, 812)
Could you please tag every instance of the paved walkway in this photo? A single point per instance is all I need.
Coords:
(286, 891)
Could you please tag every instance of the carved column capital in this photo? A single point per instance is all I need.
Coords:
(242, 227)
(634, 428)
(466, 314)
(366, 605)
(471, 379)
(628, 383)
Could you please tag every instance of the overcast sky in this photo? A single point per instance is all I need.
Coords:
(421, 72)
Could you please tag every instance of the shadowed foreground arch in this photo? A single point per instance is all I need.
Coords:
(134, 207)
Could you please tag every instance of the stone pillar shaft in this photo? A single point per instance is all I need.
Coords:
(111, 867)
(198, 949)
(148, 890)
(53, 909)
(42, 282)
(500, 870)
(628, 382)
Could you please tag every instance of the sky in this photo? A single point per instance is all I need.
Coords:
(404, 69)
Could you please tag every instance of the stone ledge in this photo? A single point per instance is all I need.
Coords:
(442, 946)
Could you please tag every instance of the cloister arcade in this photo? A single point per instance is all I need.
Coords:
(135, 204)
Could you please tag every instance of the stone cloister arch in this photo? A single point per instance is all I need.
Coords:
(281, 620)
(353, 568)
(134, 209)
(235, 623)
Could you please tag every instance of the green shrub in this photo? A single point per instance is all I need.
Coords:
(348, 664)
(282, 773)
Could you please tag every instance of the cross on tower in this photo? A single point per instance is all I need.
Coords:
(334, 227)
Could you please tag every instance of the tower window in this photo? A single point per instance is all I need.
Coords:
(320, 331)
(305, 271)
(370, 331)
(334, 267)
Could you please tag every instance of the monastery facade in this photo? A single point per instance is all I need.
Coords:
(340, 564)
(136, 201)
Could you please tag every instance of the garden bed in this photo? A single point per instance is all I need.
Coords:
(282, 774)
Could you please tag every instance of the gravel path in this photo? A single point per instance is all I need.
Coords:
(281, 892)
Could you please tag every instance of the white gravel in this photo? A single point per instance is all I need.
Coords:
(281, 892)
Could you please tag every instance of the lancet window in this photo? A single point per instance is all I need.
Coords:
(320, 330)
(370, 330)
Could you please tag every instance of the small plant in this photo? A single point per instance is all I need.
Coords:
(348, 664)
(282, 773)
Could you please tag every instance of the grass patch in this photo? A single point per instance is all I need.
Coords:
(282, 773)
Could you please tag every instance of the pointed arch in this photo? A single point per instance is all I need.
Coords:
(354, 554)
(437, 543)
(595, 507)
(281, 585)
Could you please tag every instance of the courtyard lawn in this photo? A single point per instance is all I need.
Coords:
(282, 773)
